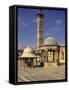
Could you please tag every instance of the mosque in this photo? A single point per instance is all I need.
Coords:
(48, 52)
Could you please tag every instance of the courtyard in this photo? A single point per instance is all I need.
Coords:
(48, 72)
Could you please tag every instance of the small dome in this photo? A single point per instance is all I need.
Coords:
(50, 41)
(28, 52)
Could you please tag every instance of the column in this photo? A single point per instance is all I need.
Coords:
(53, 56)
(58, 59)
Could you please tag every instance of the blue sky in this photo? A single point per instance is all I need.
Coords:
(53, 25)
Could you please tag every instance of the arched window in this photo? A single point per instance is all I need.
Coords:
(62, 55)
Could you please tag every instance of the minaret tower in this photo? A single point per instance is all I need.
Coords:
(39, 28)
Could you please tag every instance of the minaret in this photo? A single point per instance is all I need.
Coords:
(39, 28)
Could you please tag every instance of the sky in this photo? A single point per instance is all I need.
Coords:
(53, 25)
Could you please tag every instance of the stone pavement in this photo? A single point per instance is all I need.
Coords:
(41, 73)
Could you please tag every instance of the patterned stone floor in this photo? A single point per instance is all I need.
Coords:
(41, 73)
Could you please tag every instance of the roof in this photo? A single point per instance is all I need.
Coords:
(50, 41)
(28, 53)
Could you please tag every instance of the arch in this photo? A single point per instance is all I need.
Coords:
(62, 55)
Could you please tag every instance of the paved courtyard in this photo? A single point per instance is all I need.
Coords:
(41, 73)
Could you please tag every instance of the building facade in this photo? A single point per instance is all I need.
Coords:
(48, 52)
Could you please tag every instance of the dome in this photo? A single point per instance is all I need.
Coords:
(50, 41)
(28, 52)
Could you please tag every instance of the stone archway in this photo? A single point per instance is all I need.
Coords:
(50, 55)
(62, 55)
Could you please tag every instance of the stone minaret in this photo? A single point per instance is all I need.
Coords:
(39, 28)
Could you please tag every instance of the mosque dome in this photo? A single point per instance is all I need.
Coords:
(28, 52)
(50, 41)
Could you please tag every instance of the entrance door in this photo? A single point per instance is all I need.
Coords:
(29, 62)
(50, 56)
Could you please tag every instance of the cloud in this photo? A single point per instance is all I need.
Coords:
(55, 28)
(34, 20)
(48, 33)
(24, 24)
(58, 21)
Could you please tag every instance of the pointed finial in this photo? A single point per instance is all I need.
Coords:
(40, 11)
